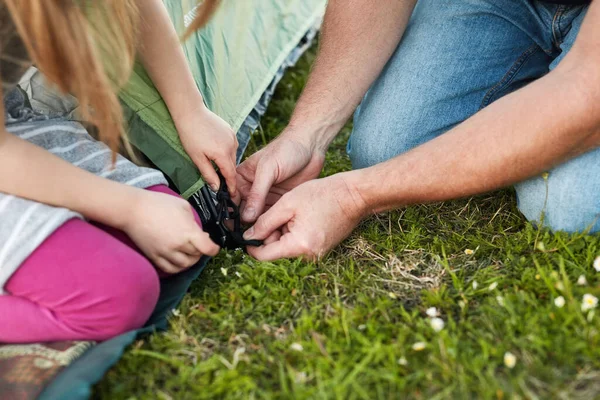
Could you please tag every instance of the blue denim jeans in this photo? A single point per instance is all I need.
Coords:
(456, 58)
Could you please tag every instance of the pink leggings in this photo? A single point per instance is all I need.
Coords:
(85, 282)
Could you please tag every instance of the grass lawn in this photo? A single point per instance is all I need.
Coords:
(354, 325)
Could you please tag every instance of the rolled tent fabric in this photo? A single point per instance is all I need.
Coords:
(234, 60)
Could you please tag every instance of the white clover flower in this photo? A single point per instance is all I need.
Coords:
(475, 285)
(224, 271)
(589, 302)
(437, 324)
(500, 301)
(493, 286)
(432, 312)
(510, 360)
(559, 302)
(419, 346)
(301, 377)
(469, 252)
(297, 347)
(597, 264)
(581, 281)
(402, 361)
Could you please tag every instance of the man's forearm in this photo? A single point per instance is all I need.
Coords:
(357, 39)
(518, 136)
(161, 53)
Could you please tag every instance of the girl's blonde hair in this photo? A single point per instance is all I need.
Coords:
(87, 48)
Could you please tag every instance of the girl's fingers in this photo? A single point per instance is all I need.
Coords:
(207, 170)
(166, 266)
(182, 260)
(203, 244)
(190, 249)
(227, 168)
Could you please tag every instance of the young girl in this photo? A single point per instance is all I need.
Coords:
(81, 228)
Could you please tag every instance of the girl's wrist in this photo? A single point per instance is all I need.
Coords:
(118, 210)
(183, 106)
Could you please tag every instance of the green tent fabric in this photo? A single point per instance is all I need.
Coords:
(233, 59)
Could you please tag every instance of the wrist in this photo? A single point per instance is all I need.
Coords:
(316, 139)
(370, 186)
(123, 211)
(318, 132)
(185, 105)
(358, 200)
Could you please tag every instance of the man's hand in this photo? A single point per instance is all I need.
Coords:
(357, 39)
(273, 171)
(309, 220)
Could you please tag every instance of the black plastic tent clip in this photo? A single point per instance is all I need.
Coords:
(220, 217)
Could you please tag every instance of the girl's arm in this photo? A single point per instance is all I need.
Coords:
(205, 136)
(162, 226)
(33, 173)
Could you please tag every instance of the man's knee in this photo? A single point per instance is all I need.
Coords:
(568, 199)
(380, 134)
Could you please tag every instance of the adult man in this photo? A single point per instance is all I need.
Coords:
(461, 97)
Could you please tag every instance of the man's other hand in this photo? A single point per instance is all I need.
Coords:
(273, 171)
(309, 220)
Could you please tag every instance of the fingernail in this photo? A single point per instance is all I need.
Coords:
(214, 187)
(249, 233)
(249, 213)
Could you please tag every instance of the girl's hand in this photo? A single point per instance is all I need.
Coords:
(163, 227)
(206, 137)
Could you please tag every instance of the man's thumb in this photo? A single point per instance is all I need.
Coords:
(269, 222)
(255, 202)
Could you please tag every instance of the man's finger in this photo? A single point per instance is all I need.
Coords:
(277, 216)
(204, 245)
(255, 201)
(285, 247)
(272, 198)
(246, 173)
(207, 170)
(274, 237)
(243, 185)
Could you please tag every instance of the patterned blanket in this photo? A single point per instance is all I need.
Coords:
(25, 370)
